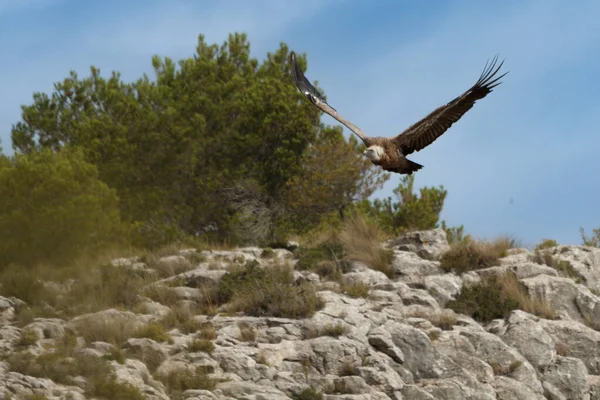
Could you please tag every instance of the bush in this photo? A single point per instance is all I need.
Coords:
(484, 302)
(54, 208)
(267, 292)
(546, 244)
(181, 380)
(355, 289)
(308, 394)
(496, 298)
(470, 254)
(201, 345)
(152, 331)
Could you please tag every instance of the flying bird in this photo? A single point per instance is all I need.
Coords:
(390, 152)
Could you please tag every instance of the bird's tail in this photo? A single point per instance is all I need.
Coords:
(411, 166)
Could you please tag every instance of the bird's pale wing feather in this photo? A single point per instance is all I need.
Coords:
(312, 94)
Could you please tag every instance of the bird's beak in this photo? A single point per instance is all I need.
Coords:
(364, 153)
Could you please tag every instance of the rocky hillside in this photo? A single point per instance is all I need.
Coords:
(357, 336)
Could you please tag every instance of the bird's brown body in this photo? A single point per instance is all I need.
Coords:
(390, 153)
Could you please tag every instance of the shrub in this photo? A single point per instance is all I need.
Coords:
(202, 345)
(484, 302)
(310, 257)
(267, 292)
(155, 332)
(54, 208)
(355, 289)
(362, 242)
(496, 298)
(108, 387)
(308, 394)
(444, 320)
(335, 330)
(28, 337)
(184, 379)
(470, 254)
(546, 244)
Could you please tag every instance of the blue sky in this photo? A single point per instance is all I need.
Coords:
(521, 162)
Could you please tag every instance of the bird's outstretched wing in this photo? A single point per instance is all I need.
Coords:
(428, 129)
(312, 94)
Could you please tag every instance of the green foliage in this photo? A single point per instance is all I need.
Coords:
(591, 241)
(54, 208)
(484, 302)
(213, 146)
(410, 211)
(333, 175)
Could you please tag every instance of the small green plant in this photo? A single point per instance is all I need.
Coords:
(201, 345)
(591, 241)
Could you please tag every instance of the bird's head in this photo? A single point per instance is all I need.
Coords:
(374, 153)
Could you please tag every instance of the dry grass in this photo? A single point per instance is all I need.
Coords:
(247, 333)
(362, 241)
(115, 331)
(444, 319)
(355, 289)
(471, 254)
(207, 331)
(527, 303)
(152, 331)
(28, 337)
(336, 330)
(178, 381)
(183, 318)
